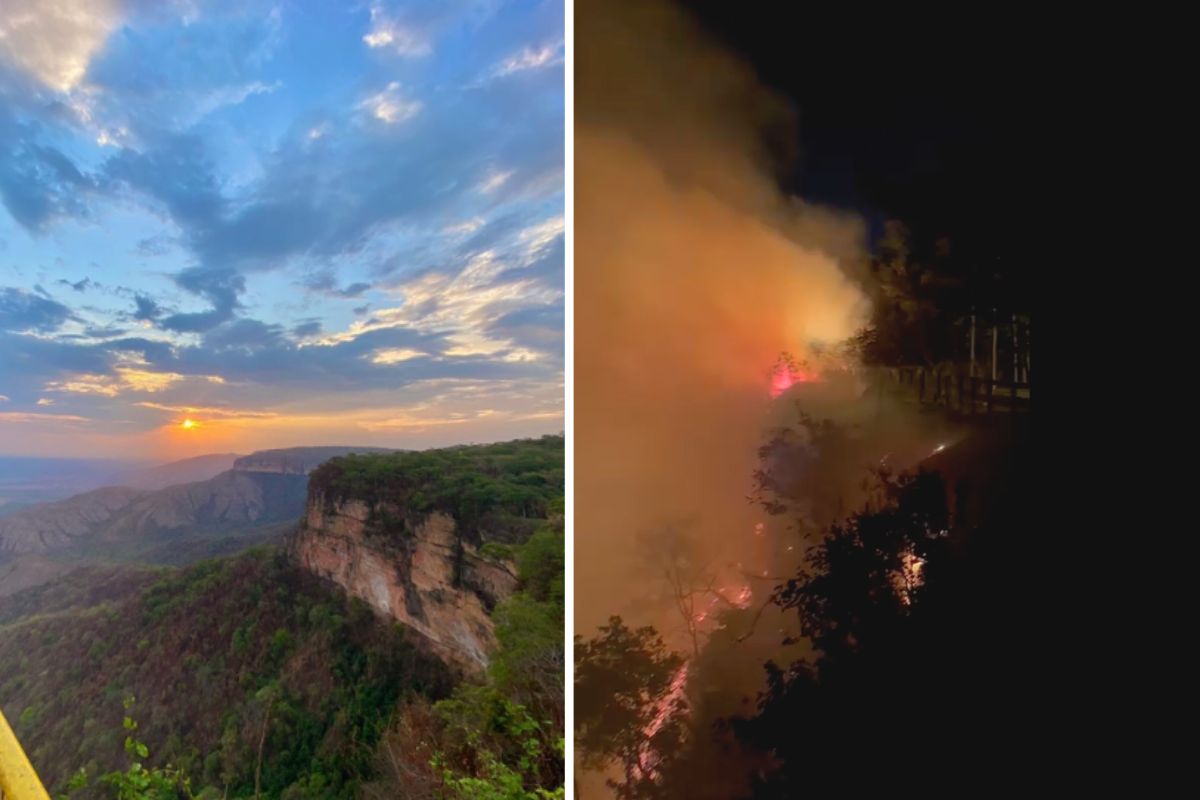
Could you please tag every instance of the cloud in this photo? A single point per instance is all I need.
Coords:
(494, 179)
(153, 246)
(38, 182)
(531, 58)
(394, 355)
(220, 287)
(326, 283)
(24, 311)
(390, 34)
(21, 417)
(188, 142)
(390, 106)
(123, 379)
(55, 41)
(310, 328)
(146, 308)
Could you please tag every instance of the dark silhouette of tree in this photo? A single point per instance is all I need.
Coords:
(628, 712)
(915, 303)
(673, 557)
(908, 606)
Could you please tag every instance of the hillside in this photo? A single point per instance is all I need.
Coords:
(254, 502)
(198, 649)
(258, 650)
(188, 470)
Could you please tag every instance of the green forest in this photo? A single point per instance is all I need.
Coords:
(248, 677)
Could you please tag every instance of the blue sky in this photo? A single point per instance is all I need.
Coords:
(290, 222)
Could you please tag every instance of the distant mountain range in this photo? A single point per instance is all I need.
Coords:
(189, 470)
(173, 514)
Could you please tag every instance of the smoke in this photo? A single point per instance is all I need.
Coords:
(693, 273)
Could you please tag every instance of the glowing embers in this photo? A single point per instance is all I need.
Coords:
(909, 578)
(672, 702)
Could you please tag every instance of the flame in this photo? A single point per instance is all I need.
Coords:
(788, 375)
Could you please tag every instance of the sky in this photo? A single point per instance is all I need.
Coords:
(894, 117)
(291, 223)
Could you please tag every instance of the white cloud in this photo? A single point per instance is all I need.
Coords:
(389, 33)
(3, 398)
(463, 228)
(231, 96)
(390, 106)
(395, 355)
(45, 401)
(494, 180)
(537, 238)
(54, 40)
(531, 58)
(22, 416)
(125, 379)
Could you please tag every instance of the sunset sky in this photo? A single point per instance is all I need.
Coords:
(288, 222)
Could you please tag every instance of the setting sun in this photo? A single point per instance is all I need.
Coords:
(188, 424)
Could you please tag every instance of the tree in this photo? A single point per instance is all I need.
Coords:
(629, 705)
(911, 322)
(672, 556)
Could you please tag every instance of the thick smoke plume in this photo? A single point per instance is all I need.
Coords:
(693, 274)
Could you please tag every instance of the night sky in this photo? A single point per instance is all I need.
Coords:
(897, 118)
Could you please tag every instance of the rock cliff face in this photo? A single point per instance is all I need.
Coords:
(415, 570)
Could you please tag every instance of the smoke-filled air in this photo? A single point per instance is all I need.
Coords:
(693, 274)
(712, 309)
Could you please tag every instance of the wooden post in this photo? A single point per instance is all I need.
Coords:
(1028, 349)
(1016, 350)
(995, 341)
(972, 341)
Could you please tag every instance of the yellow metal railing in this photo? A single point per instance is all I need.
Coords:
(18, 781)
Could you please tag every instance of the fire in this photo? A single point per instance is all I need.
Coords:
(787, 375)
(648, 759)
(909, 578)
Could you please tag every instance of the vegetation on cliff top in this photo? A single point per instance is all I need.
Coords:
(497, 491)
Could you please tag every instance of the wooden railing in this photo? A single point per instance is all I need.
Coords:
(18, 780)
(959, 392)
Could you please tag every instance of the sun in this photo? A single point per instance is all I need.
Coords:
(189, 424)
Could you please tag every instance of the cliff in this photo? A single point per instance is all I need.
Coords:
(423, 582)
(423, 538)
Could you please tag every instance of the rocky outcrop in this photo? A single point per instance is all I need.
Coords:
(417, 571)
